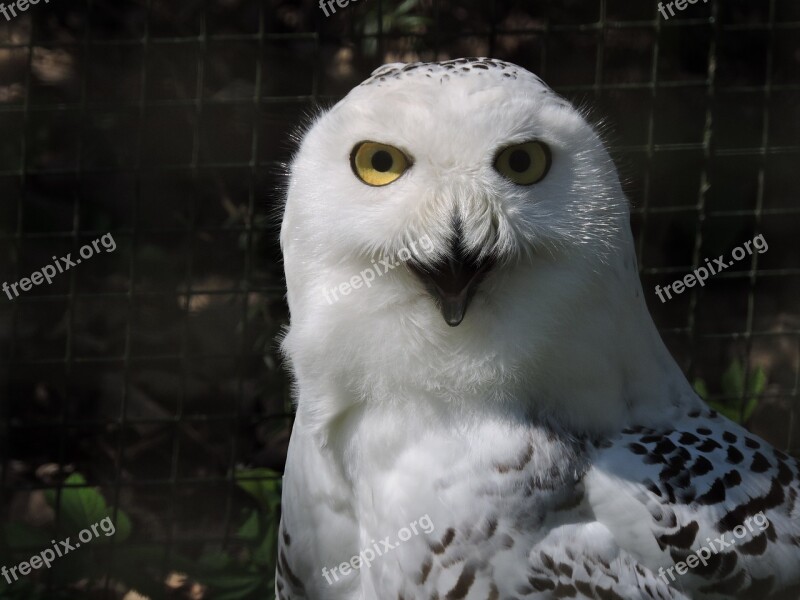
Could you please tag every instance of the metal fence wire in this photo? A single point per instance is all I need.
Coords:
(144, 384)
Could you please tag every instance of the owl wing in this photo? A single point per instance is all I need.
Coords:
(710, 507)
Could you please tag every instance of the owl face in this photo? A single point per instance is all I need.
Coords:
(477, 155)
(527, 274)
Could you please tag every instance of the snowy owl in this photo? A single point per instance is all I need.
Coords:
(485, 410)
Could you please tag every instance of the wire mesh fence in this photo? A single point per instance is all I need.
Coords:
(145, 382)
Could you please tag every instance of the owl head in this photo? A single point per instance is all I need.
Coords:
(457, 231)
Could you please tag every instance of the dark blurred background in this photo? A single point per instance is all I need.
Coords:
(145, 383)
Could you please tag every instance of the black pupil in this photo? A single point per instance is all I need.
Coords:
(519, 161)
(382, 161)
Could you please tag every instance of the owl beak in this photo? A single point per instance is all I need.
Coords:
(452, 282)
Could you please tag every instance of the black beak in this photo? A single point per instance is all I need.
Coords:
(453, 282)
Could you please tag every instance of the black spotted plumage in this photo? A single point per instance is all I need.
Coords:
(713, 479)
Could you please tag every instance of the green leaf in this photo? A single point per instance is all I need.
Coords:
(264, 485)
(260, 529)
(74, 566)
(266, 553)
(731, 412)
(215, 560)
(701, 388)
(81, 507)
(733, 380)
(21, 590)
(749, 409)
(21, 535)
(410, 23)
(406, 6)
(757, 383)
(235, 586)
(122, 525)
(250, 530)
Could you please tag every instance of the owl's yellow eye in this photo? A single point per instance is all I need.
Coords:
(524, 164)
(378, 164)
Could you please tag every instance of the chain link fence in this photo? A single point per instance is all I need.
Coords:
(144, 384)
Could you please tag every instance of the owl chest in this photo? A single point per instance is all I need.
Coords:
(518, 477)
